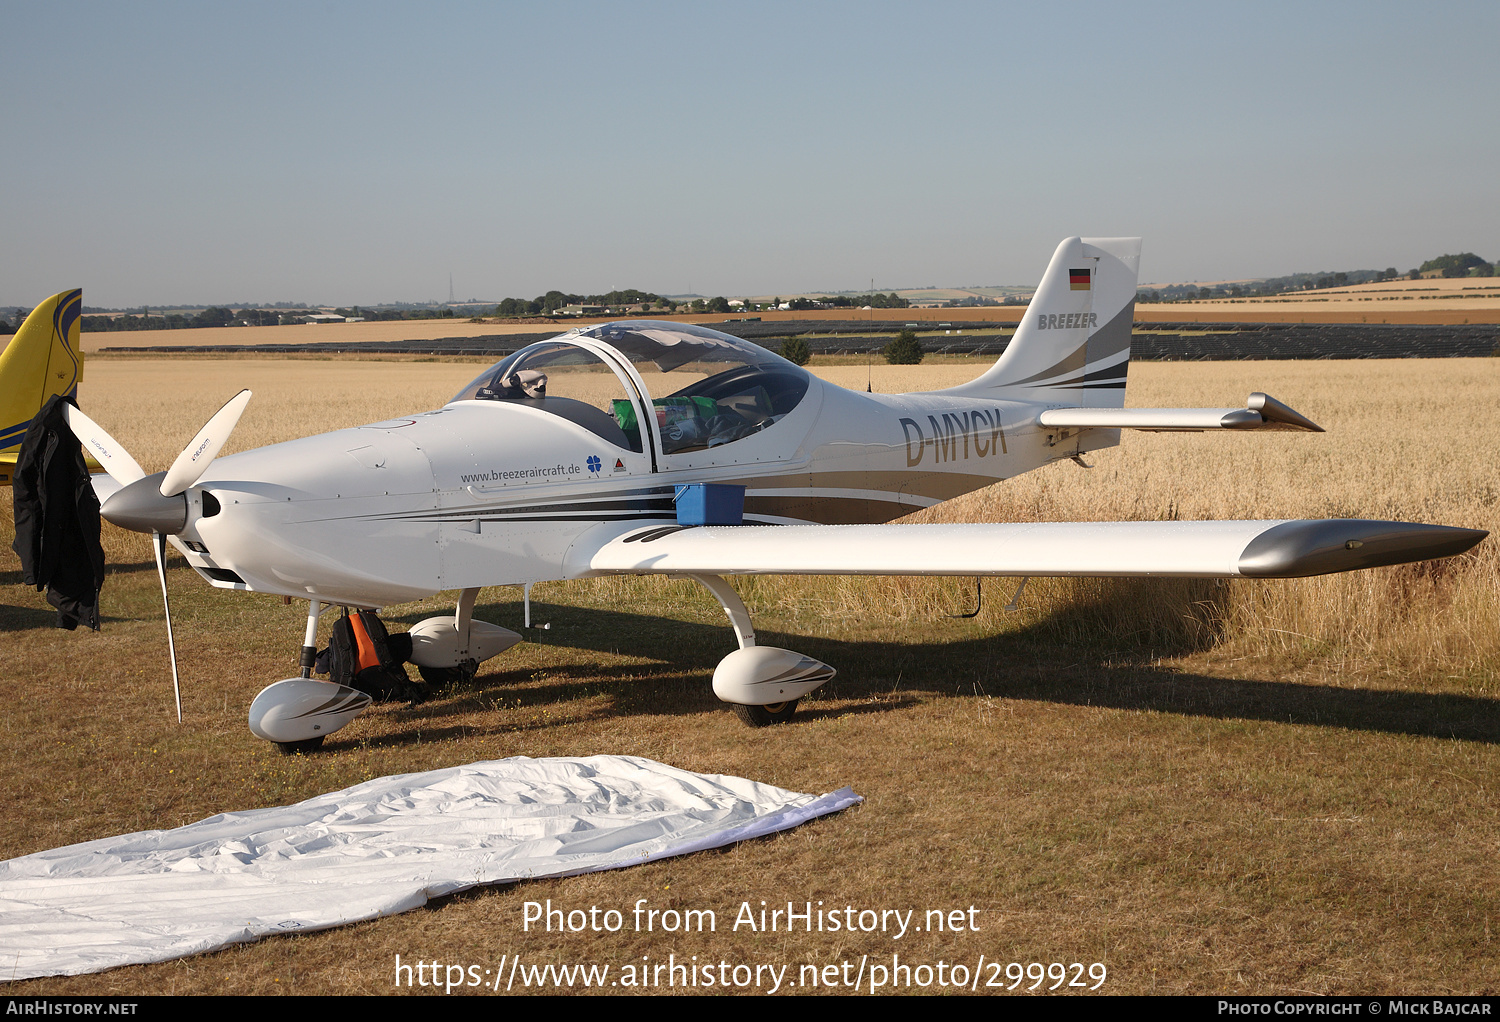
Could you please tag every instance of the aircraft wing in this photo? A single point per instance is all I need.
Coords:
(1261, 411)
(1262, 549)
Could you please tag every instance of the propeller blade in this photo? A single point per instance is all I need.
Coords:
(122, 468)
(203, 448)
(159, 544)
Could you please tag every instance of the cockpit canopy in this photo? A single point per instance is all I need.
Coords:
(705, 388)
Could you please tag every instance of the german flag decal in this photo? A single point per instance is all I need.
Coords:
(1078, 280)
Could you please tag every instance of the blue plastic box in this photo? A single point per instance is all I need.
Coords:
(710, 504)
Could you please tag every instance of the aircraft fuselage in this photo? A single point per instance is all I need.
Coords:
(489, 493)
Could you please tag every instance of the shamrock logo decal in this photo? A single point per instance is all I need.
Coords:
(594, 463)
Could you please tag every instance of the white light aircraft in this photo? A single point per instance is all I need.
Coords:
(619, 449)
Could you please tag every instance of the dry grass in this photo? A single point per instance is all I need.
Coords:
(1265, 787)
(1386, 455)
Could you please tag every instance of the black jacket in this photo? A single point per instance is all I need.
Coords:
(57, 519)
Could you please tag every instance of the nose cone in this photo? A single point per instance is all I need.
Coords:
(140, 507)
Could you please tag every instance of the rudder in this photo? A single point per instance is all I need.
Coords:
(1073, 343)
(42, 359)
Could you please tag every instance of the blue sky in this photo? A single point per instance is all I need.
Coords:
(357, 153)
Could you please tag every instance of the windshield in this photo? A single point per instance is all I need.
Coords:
(562, 379)
(706, 388)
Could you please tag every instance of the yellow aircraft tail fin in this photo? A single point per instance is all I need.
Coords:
(42, 359)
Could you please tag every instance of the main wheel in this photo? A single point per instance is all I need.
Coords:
(439, 676)
(765, 716)
(306, 745)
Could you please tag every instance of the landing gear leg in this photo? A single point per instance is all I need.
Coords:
(734, 607)
(763, 683)
(310, 640)
(463, 617)
(308, 659)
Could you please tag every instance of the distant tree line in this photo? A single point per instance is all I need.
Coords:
(216, 315)
(552, 301)
(874, 300)
(1466, 264)
(220, 315)
(388, 315)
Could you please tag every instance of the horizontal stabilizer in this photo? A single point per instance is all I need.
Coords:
(1265, 549)
(1261, 411)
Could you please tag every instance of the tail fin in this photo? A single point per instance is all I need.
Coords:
(1073, 344)
(42, 359)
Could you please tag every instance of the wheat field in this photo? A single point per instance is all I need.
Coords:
(1272, 787)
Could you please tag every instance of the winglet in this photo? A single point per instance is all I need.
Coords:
(1273, 411)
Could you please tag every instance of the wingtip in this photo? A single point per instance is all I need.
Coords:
(1302, 548)
(1274, 411)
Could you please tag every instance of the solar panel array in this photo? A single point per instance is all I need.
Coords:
(1165, 342)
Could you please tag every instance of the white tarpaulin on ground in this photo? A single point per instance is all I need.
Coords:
(375, 849)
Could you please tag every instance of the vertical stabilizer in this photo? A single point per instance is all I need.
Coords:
(42, 359)
(1073, 344)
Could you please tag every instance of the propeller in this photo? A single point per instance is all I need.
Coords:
(156, 503)
(122, 468)
(204, 448)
